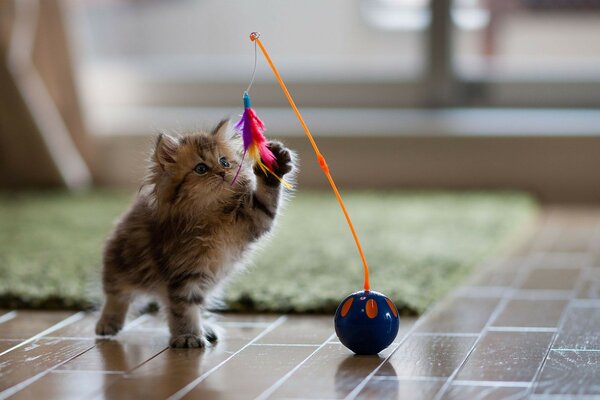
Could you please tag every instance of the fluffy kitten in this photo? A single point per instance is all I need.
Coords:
(188, 228)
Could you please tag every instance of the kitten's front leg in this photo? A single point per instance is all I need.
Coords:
(184, 320)
(265, 200)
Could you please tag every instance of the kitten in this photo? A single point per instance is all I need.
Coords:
(189, 228)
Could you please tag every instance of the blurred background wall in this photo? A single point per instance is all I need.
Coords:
(399, 93)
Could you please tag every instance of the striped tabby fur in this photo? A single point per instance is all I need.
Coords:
(187, 231)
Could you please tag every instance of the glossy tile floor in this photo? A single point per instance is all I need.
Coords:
(527, 326)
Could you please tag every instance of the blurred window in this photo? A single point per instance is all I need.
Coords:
(129, 50)
(529, 39)
(192, 54)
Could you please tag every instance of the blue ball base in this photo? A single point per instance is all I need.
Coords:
(366, 322)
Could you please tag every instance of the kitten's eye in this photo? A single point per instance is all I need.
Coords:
(223, 161)
(201, 169)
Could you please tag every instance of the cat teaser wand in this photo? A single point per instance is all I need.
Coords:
(366, 321)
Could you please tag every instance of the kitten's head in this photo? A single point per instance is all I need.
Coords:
(196, 170)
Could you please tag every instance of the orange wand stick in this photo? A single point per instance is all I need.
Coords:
(255, 37)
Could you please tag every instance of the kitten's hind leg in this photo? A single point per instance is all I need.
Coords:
(113, 314)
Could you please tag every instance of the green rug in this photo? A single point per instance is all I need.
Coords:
(419, 246)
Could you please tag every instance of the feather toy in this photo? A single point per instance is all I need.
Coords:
(366, 321)
(251, 128)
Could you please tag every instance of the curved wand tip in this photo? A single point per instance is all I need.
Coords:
(254, 36)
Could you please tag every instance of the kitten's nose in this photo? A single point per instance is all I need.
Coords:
(221, 174)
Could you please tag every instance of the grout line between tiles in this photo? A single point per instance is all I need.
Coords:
(73, 337)
(562, 321)
(147, 360)
(491, 383)
(23, 384)
(450, 334)
(439, 306)
(563, 397)
(288, 344)
(356, 391)
(520, 329)
(67, 321)
(8, 316)
(264, 395)
(245, 324)
(85, 371)
(500, 307)
(407, 378)
(577, 350)
(541, 294)
(190, 386)
(585, 303)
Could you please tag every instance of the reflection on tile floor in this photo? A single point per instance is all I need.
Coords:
(526, 326)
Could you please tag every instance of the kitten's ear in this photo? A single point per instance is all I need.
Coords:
(223, 130)
(166, 149)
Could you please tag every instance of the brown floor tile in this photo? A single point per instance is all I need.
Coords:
(568, 219)
(7, 344)
(574, 240)
(36, 357)
(580, 330)
(591, 285)
(377, 389)
(158, 321)
(506, 356)
(551, 279)
(332, 372)
(301, 330)
(125, 352)
(245, 318)
(257, 368)
(173, 369)
(531, 313)
(459, 392)
(570, 373)
(428, 356)
(498, 274)
(461, 315)
(82, 328)
(66, 386)
(561, 260)
(85, 327)
(29, 323)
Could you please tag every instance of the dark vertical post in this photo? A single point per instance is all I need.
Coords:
(441, 85)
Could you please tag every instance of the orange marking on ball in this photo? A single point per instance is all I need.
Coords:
(392, 306)
(346, 306)
(371, 308)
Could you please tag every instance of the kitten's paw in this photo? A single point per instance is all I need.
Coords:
(188, 341)
(283, 157)
(108, 327)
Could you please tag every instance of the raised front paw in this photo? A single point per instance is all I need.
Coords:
(188, 341)
(283, 159)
